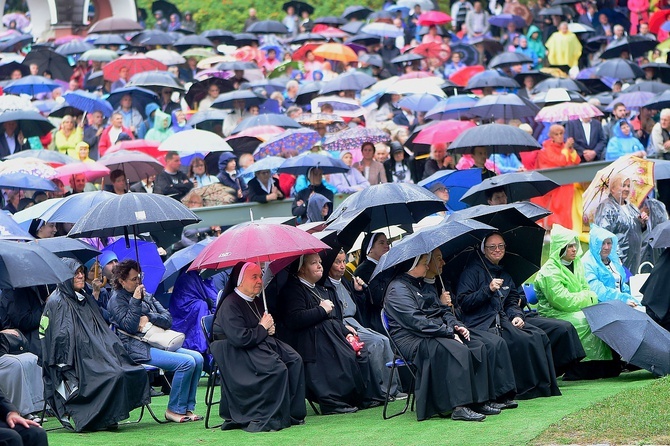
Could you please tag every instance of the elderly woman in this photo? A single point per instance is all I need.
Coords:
(562, 291)
(68, 136)
(489, 300)
(623, 142)
(263, 385)
(373, 247)
(88, 375)
(603, 269)
(134, 311)
(263, 188)
(621, 218)
(351, 181)
(337, 377)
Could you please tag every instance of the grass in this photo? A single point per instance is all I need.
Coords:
(635, 394)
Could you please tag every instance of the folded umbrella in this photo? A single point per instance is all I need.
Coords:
(195, 141)
(501, 138)
(88, 102)
(10, 230)
(66, 247)
(458, 182)
(20, 180)
(299, 140)
(300, 165)
(518, 186)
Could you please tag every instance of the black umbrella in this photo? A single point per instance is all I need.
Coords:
(659, 102)
(268, 119)
(114, 25)
(491, 79)
(331, 21)
(244, 144)
(65, 109)
(299, 7)
(529, 210)
(227, 100)
(490, 46)
(538, 76)
(110, 39)
(407, 57)
(308, 37)
(208, 119)
(267, 27)
(505, 106)
(631, 333)
(357, 12)
(469, 54)
(451, 237)
(364, 39)
(155, 79)
(660, 235)
(191, 41)
(619, 69)
(518, 186)
(568, 84)
(68, 247)
(557, 10)
(198, 90)
(500, 138)
(166, 7)
(380, 206)
(352, 27)
(308, 91)
(352, 80)
(31, 123)
(507, 59)
(221, 35)
(661, 71)
(236, 65)
(8, 67)
(635, 46)
(74, 47)
(25, 264)
(49, 60)
(140, 96)
(245, 39)
(153, 37)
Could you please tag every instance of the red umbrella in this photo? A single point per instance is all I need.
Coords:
(462, 76)
(434, 18)
(135, 63)
(250, 54)
(444, 131)
(140, 145)
(657, 19)
(301, 52)
(92, 171)
(433, 50)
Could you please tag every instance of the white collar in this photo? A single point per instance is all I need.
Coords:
(244, 296)
(311, 285)
(335, 281)
(373, 260)
(427, 280)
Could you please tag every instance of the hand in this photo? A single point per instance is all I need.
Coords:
(518, 322)
(447, 161)
(570, 142)
(495, 285)
(358, 284)
(445, 298)
(462, 331)
(10, 331)
(99, 132)
(267, 321)
(327, 305)
(631, 303)
(139, 292)
(299, 203)
(589, 155)
(666, 145)
(195, 183)
(643, 217)
(271, 197)
(143, 321)
(351, 329)
(272, 330)
(14, 418)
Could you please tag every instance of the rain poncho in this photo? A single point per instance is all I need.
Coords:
(506, 162)
(160, 131)
(176, 126)
(621, 219)
(563, 49)
(600, 276)
(562, 293)
(315, 206)
(148, 123)
(620, 144)
(536, 44)
(657, 214)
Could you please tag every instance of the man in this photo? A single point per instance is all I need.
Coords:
(251, 20)
(34, 69)
(110, 135)
(16, 430)
(459, 13)
(132, 118)
(660, 135)
(172, 181)
(441, 191)
(291, 21)
(619, 33)
(604, 27)
(92, 133)
(234, 117)
(144, 186)
(496, 196)
(291, 93)
(589, 17)
(77, 184)
(619, 112)
(644, 31)
(476, 20)
(122, 81)
(438, 160)
(590, 141)
(11, 139)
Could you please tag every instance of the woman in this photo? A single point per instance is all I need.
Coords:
(197, 173)
(119, 183)
(213, 92)
(264, 188)
(262, 385)
(623, 142)
(134, 311)
(179, 121)
(351, 181)
(373, 247)
(372, 170)
(68, 136)
(88, 375)
(41, 229)
(562, 291)
(624, 220)
(83, 151)
(336, 376)
(228, 175)
(536, 45)
(489, 300)
(399, 167)
(161, 129)
(316, 186)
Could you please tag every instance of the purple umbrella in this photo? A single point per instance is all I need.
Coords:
(502, 20)
(354, 138)
(634, 100)
(300, 140)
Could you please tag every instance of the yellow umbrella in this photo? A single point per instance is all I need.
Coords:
(336, 51)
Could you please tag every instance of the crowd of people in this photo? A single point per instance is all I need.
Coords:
(475, 348)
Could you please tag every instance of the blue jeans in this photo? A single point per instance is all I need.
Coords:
(187, 367)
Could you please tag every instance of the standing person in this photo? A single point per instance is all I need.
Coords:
(251, 19)
(132, 118)
(110, 135)
(476, 20)
(372, 170)
(11, 139)
(68, 136)
(291, 20)
(563, 47)
(589, 137)
(92, 133)
(134, 311)
(172, 181)
(263, 383)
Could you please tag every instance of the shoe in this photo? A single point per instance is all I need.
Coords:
(372, 404)
(399, 396)
(338, 410)
(485, 409)
(499, 406)
(509, 404)
(297, 422)
(154, 392)
(463, 413)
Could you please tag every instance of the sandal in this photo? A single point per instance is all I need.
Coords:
(193, 416)
(176, 418)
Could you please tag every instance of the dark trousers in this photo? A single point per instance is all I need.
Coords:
(21, 436)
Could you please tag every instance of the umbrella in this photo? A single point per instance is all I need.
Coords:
(51, 157)
(426, 5)
(31, 85)
(7, 67)
(382, 30)
(155, 79)
(166, 7)
(426, 85)
(66, 247)
(140, 96)
(299, 140)
(633, 101)
(336, 51)
(380, 206)
(150, 261)
(306, 38)
(227, 100)
(631, 333)
(198, 53)
(518, 186)
(69, 209)
(20, 180)
(502, 20)
(245, 39)
(300, 165)
(299, 7)
(505, 106)
(307, 92)
(92, 171)
(507, 59)
(458, 182)
(557, 95)
(463, 75)
(407, 57)
(491, 79)
(191, 41)
(344, 107)
(48, 60)
(567, 111)
(660, 102)
(136, 166)
(99, 55)
(454, 107)
(269, 85)
(619, 69)
(444, 131)
(62, 109)
(88, 102)
(10, 230)
(153, 37)
(195, 141)
(353, 27)
(557, 10)
(271, 163)
(640, 172)
(20, 261)
(538, 76)
(635, 46)
(74, 47)
(166, 57)
(115, 24)
(659, 238)
(134, 63)
(420, 102)
(568, 84)
(353, 138)
(208, 119)
(451, 237)
(356, 12)
(139, 145)
(490, 46)
(330, 20)
(199, 89)
(500, 137)
(267, 27)
(175, 264)
(31, 123)
(15, 43)
(267, 119)
(30, 166)
(661, 72)
(434, 18)
(111, 40)
(580, 28)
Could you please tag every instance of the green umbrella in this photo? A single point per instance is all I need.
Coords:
(198, 53)
(282, 68)
(99, 55)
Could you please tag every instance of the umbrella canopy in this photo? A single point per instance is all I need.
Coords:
(66, 247)
(660, 236)
(140, 96)
(20, 180)
(176, 263)
(207, 119)
(267, 27)
(634, 335)
(267, 119)
(633, 100)
(136, 166)
(500, 138)
(153, 37)
(518, 186)
(491, 79)
(434, 18)
(228, 100)
(507, 59)
(134, 63)
(353, 138)
(425, 85)
(557, 95)
(199, 89)
(48, 60)
(88, 102)
(619, 69)
(31, 123)
(457, 182)
(166, 57)
(336, 51)
(356, 12)
(426, 5)
(502, 20)
(567, 111)
(99, 55)
(30, 166)
(300, 165)
(20, 261)
(192, 41)
(31, 85)
(10, 230)
(69, 209)
(111, 40)
(299, 140)
(454, 107)
(641, 174)
(660, 101)
(505, 106)
(115, 25)
(92, 171)
(139, 145)
(420, 102)
(299, 7)
(74, 47)
(155, 79)
(382, 30)
(195, 141)
(568, 84)
(50, 157)
(635, 46)
(150, 261)
(271, 163)
(444, 131)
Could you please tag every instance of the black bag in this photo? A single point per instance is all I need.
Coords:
(13, 345)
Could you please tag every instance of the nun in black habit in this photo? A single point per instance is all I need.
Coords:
(375, 244)
(337, 377)
(262, 385)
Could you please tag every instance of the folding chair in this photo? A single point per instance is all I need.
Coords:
(398, 361)
(206, 323)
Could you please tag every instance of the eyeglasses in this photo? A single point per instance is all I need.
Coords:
(137, 278)
(499, 247)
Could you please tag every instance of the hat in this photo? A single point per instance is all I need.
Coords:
(106, 257)
(437, 186)
(396, 147)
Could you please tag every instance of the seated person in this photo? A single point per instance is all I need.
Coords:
(21, 309)
(132, 310)
(562, 291)
(373, 247)
(623, 142)
(263, 384)
(337, 378)
(315, 178)
(655, 293)
(603, 269)
(489, 299)
(350, 181)
(319, 208)
(263, 188)
(88, 376)
(16, 430)
(21, 380)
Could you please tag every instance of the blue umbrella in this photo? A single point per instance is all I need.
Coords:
(299, 165)
(404, 10)
(420, 102)
(382, 30)
(31, 85)
(633, 100)
(299, 140)
(455, 107)
(502, 20)
(227, 100)
(88, 102)
(352, 80)
(140, 96)
(268, 119)
(271, 163)
(457, 181)
(175, 265)
(150, 261)
(10, 230)
(16, 181)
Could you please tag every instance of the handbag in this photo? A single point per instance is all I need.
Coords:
(168, 340)
(12, 344)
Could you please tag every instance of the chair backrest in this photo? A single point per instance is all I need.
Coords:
(207, 324)
(385, 322)
(529, 291)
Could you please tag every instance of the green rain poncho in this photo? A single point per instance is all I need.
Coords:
(562, 294)
(161, 129)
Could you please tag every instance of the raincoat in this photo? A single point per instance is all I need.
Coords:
(620, 144)
(657, 214)
(160, 132)
(621, 219)
(563, 49)
(600, 277)
(562, 293)
(314, 207)
(536, 44)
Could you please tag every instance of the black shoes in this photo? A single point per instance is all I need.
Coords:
(486, 409)
(336, 410)
(463, 413)
(507, 404)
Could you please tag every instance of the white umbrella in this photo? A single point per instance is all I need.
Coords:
(347, 108)
(426, 5)
(425, 85)
(195, 141)
(166, 57)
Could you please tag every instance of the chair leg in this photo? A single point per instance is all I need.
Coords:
(410, 394)
(311, 403)
(209, 395)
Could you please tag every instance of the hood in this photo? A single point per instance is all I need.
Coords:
(560, 238)
(534, 29)
(597, 236)
(224, 158)
(616, 130)
(150, 108)
(159, 117)
(67, 287)
(315, 204)
(158, 14)
(175, 123)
